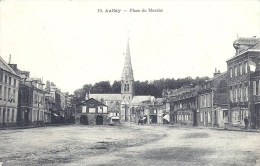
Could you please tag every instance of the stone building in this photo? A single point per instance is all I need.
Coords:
(213, 102)
(243, 82)
(92, 112)
(9, 84)
(183, 104)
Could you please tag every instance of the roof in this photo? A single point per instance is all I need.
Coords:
(140, 99)
(250, 41)
(6, 67)
(92, 102)
(159, 100)
(106, 97)
(217, 76)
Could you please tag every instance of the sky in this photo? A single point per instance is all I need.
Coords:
(72, 44)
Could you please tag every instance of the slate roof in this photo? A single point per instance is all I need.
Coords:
(6, 67)
(140, 99)
(92, 103)
(106, 97)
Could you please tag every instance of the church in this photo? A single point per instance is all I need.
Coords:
(127, 107)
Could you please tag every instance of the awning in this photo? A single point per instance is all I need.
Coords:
(116, 117)
(144, 118)
(55, 114)
(167, 117)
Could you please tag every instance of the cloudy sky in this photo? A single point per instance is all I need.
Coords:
(72, 44)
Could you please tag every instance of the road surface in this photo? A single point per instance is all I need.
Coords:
(128, 145)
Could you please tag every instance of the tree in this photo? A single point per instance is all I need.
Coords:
(116, 87)
(102, 87)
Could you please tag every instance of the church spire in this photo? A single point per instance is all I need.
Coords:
(127, 71)
(127, 79)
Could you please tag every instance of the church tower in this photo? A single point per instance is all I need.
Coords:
(127, 79)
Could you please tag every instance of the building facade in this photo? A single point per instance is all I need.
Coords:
(183, 105)
(92, 112)
(243, 81)
(213, 102)
(9, 84)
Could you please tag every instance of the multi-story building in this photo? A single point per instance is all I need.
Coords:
(213, 102)
(243, 82)
(9, 84)
(31, 103)
(183, 104)
(54, 103)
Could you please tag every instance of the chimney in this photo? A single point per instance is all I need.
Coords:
(25, 73)
(217, 72)
(13, 66)
(87, 95)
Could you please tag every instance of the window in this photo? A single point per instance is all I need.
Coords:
(235, 94)
(1, 92)
(9, 94)
(258, 87)
(241, 94)
(12, 115)
(35, 98)
(205, 101)
(240, 69)
(7, 117)
(5, 79)
(10, 80)
(14, 95)
(104, 110)
(1, 77)
(230, 72)
(245, 67)
(100, 110)
(246, 93)
(14, 82)
(5, 93)
(84, 109)
(254, 87)
(231, 95)
(92, 110)
(0, 114)
(235, 71)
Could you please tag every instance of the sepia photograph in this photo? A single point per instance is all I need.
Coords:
(125, 83)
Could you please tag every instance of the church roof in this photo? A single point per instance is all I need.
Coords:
(106, 97)
(6, 67)
(140, 99)
(127, 71)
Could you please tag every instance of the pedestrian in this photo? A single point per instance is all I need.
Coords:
(246, 122)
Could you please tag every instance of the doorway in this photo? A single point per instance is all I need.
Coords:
(84, 120)
(99, 120)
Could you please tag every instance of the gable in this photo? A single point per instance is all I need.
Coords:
(6, 67)
(92, 103)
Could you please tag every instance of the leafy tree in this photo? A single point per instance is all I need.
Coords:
(116, 87)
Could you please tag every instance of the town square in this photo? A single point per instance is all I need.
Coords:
(128, 145)
(158, 83)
